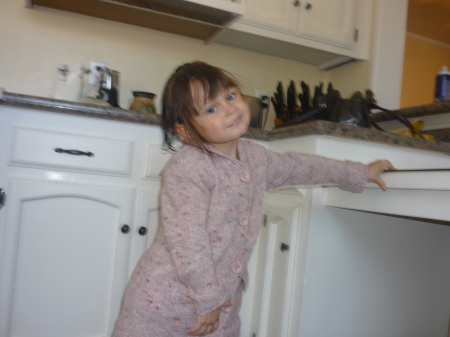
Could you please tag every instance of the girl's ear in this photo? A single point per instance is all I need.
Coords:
(181, 130)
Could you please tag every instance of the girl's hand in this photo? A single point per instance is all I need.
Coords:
(376, 168)
(209, 323)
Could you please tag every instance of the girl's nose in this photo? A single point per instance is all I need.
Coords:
(230, 108)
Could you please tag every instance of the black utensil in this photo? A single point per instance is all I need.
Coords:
(305, 98)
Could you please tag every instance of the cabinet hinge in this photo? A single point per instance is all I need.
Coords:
(356, 35)
(265, 221)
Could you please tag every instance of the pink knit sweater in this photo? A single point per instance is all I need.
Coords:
(211, 212)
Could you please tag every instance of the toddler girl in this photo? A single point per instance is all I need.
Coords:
(190, 281)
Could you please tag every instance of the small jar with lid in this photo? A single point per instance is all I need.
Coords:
(143, 101)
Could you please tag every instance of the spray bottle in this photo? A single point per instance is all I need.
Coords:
(443, 85)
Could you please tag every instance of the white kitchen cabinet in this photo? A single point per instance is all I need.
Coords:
(74, 223)
(332, 22)
(319, 32)
(199, 19)
(279, 264)
(369, 264)
(66, 258)
(147, 221)
(279, 15)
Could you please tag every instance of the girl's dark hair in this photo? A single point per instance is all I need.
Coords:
(189, 83)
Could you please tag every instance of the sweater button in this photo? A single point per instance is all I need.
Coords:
(236, 267)
(245, 176)
(243, 220)
(226, 309)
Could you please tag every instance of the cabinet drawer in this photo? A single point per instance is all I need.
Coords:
(36, 148)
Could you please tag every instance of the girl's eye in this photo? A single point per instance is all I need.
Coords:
(231, 96)
(212, 109)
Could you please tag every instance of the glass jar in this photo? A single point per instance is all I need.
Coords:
(143, 101)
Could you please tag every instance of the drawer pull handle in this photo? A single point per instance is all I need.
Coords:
(74, 152)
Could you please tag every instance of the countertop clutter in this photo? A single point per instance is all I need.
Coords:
(311, 128)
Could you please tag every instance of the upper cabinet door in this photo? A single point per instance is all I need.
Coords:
(332, 22)
(281, 15)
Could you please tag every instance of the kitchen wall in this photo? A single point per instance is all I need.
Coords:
(351, 78)
(35, 41)
(423, 59)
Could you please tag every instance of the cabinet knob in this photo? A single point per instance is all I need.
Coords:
(296, 3)
(125, 229)
(308, 6)
(143, 231)
(284, 247)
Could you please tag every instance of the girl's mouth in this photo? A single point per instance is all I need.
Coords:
(236, 122)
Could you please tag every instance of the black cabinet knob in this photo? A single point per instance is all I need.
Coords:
(143, 230)
(125, 229)
(296, 3)
(284, 247)
(308, 6)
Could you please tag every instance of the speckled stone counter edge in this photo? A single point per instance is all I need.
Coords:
(304, 129)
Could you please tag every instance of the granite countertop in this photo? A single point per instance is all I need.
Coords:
(318, 127)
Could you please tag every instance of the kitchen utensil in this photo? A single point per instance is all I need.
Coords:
(304, 97)
(279, 105)
(109, 86)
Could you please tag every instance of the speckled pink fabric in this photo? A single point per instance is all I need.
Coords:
(211, 211)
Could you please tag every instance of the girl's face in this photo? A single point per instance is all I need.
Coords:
(222, 120)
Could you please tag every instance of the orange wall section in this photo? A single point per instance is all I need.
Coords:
(422, 62)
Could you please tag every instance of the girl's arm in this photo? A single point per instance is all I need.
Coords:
(185, 200)
(292, 169)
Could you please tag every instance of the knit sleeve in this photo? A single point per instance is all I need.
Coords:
(185, 200)
(292, 169)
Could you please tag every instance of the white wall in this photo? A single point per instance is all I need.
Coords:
(33, 42)
(388, 46)
(383, 72)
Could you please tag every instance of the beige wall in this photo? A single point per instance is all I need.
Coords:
(423, 59)
(352, 78)
(34, 42)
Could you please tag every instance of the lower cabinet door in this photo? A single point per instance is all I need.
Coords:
(275, 311)
(147, 222)
(65, 259)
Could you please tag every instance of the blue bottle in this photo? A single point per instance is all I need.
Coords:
(443, 85)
